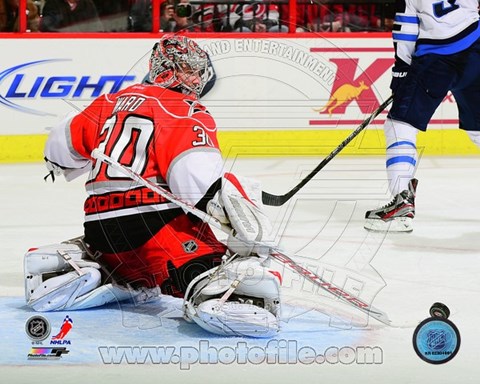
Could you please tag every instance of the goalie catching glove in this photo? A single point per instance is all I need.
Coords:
(239, 204)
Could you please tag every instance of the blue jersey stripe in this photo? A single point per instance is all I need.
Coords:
(451, 48)
(407, 19)
(404, 37)
(401, 159)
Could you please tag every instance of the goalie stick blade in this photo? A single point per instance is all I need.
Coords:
(279, 200)
(332, 289)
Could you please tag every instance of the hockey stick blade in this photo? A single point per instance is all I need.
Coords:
(274, 253)
(278, 200)
(330, 288)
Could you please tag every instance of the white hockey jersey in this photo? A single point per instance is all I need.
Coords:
(442, 27)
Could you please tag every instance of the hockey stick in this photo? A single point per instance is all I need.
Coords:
(278, 200)
(275, 253)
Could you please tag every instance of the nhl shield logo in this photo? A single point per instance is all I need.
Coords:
(190, 246)
(37, 328)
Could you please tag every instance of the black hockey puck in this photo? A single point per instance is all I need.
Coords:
(439, 310)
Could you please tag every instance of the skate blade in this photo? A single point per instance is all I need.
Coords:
(399, 224)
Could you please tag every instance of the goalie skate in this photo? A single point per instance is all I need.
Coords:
(396, 216)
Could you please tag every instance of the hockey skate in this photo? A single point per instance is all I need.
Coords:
(397, 216)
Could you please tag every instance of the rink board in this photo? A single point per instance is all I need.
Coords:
(29, 148)
(274, 95)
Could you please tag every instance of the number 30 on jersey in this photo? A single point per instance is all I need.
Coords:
(202, 138)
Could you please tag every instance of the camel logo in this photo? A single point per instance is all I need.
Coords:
(344, 94)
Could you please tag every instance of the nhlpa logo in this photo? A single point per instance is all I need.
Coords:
(64, 329)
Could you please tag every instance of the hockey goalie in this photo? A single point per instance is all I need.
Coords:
(137, 243)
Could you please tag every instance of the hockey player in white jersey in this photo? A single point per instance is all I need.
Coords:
(437, 50)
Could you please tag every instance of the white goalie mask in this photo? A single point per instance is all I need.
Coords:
(178, 62)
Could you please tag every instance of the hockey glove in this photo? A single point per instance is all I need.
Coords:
(69, 173)
(239, 204)
(399, 73)
(53, 170)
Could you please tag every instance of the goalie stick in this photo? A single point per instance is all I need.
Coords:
(276, 254)
(278, 200)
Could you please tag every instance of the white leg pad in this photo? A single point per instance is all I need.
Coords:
(102, 295)
(239, 298)
(62, 276)
(60, 292)
(236, 319)
(45, 260)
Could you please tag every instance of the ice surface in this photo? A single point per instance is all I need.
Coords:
(403, 274)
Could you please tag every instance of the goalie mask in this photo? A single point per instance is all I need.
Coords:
(178, 62)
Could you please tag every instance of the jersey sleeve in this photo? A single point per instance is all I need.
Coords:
(192, 174)
(405, 32)
(85, 128)
(190, 158)
(70, 144)
(58, 148)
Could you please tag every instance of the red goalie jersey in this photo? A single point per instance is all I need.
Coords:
(168, 138)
